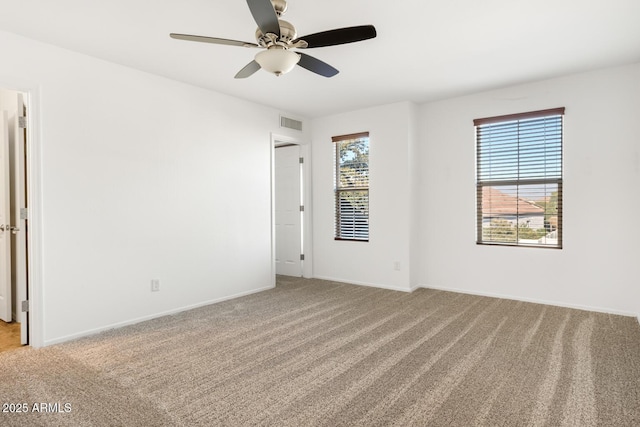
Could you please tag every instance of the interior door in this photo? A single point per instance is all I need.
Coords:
(288, 215)
(18, 210)
(5, 217)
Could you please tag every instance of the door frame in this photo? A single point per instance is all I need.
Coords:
(307, 243)
(33, 165)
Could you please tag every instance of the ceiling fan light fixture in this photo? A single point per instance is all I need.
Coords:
(277, 61)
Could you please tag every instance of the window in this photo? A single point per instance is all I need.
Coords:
(351, 186)
(519, 179)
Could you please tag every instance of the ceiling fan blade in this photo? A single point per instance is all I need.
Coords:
(339, 36)
(315, 65)
(248, 70)
(213, 40)
(265, 16)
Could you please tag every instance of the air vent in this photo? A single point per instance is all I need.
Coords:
(286, 122)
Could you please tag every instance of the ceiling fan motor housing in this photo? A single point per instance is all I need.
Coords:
(287, 34)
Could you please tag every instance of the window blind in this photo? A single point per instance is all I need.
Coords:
(351, 186)
(519, 179)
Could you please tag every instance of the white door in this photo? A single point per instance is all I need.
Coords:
(18, 207)
(5, 217)
(288, 214)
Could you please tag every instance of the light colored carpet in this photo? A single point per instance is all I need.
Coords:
(313, 352)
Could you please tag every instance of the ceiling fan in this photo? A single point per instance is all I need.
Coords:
(277, 37)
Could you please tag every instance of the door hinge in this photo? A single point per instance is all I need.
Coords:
(301, 160)
(301, 257)
(301, 208)
(22, 122)
(24, 213)
(25, 306)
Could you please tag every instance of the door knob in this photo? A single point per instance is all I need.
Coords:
(13, 228)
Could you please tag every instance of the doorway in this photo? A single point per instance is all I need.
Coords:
(291, 213)
(14, 282)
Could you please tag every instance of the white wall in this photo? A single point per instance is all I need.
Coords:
(141, 178)
(598, 267)
(423, 197)
(370, 263)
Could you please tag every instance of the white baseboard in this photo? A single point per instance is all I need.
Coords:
(370, 285)
(536, 301)
(150, 317)
(415, 287)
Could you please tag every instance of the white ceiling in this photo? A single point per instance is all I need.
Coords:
(425, 49)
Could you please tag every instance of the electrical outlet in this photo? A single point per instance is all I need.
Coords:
(155, 285)
(396, 265)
